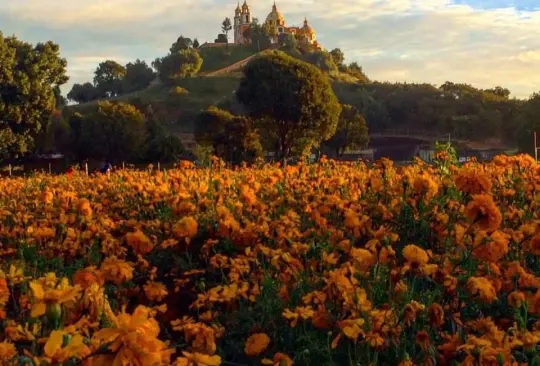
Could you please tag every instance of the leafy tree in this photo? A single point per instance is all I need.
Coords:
(260, 39)
(288, 41)
(221, 38)
(232, 138)
(196, 43)
(29, 76)
(527, 123)
(60, 100)
(113, 131)
(138, 76)
(182, 43)
(226, 27)
(322, 59)
(351, 132)
(83, 93)
(293, 100)
(181, 64)
(356, 70)
(108, 78)
(160, 146)
(337, 56)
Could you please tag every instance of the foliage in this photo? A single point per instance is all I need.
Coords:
(108, 78)
(184, 63)
(351, 132)
(337, 56)
(232, 138)
(221, 38)
(226, 27)
(181, 44)
(138, 76)
(115, 131)
(30, 75)
(293, 100)
(83, 93)
(179, 91)
(322, 59)
(259, 36)
(288, 41)
(159, 145)
(356, 70)
(527, 123)
(196, 43)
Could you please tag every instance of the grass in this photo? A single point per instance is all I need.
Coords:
(219, 58)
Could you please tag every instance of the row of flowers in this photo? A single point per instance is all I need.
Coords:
(328, 264)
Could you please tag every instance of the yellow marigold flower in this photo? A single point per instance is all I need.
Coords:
(516, 299)
(256, 344)
(186, 228)
(48, 298)
(534, 245)
(4, 292)
(483, 212)
(490, 248)
(280, 359)
(415, 255)
(155, 291)
(56, 354)
(197, 359)
(8, 352)
(140, 243)
(483, 288)
(116, 270)
(134, 340)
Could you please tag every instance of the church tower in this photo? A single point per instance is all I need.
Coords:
(237, 22)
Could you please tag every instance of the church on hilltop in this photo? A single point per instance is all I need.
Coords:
(275, 22)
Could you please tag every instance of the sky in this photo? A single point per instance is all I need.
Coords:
(481, 42)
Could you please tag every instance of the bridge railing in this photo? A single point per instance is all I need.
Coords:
(417, 133)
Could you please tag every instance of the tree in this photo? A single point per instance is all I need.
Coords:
(356, 70)
(114, 131)
(160, 146)
(196, 43)
(181, 64)
(293, 100)
(288, 41)
(83, 93)
(226, 28)
(138, 76)
(232, 138)
(108, 78)
(322, 59)
(221, 38)
(351, 132)
(29, 76)
(527, 123)
(337, 56)
(182, 43)
(260, 39)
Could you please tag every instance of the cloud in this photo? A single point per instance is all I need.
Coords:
(484, 43)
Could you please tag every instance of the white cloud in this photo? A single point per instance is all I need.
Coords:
(395, 40)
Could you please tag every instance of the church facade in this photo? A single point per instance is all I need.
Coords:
(275, 21)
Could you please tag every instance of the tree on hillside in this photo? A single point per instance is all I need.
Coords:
(114, 131)
(138, 76)
(527, 122)
(232, 138)
(29, 76)
(322, 59)
(294, 101)
(351, 132)
(356, 70)
(196, 43)
(182, 43)
(226, 28)
(83, 93)
(178, 65)
(160, 146)
(108, 78)
(60, 100)
(338, 57)
(288, 41)
(260, 39)
(221, 38)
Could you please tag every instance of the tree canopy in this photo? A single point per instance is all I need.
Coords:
(351, 132)
(29, 77)
(293, 101)
(177, 65)
(108, 78)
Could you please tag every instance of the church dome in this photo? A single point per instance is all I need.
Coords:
(275, 17)
(308, 29)
(238, 10)
(245, 6)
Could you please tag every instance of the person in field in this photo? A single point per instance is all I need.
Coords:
(69, 171)
(107, 167)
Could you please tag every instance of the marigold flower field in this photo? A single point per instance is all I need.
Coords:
(312, 264)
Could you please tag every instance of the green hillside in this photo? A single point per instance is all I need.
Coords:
(216, 58)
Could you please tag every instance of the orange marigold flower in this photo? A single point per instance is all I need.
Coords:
(422, 339)
(516, 299)
(490, 248)
(8, 352)
(86, 277)
(534, 245)
(84, 208)
(483, 288)
(155, 291)
(256, 344)
(280, 359)
(4, 292)
(197, 359)
(186, 228)
(472, 181)
(140, 243)
(483, 212)
(415, 255)
(116, 270)
(436, 315)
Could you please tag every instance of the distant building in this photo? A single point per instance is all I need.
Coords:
(275, 21)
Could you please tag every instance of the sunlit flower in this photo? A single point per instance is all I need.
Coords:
(256, 344)
(116, 270)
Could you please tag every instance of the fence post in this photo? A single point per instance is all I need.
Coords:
(158, 166)
(9, 169)
(123, 165)
(86, 168)
(50, 170)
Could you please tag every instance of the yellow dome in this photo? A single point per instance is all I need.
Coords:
(308, 29)
(275, 16)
